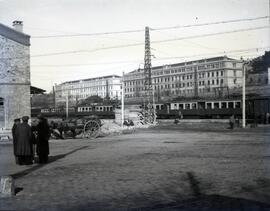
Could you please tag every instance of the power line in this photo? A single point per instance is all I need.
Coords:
(210, 23)
(161, 58)
(158, 41)
(142, 43)
(153, 29)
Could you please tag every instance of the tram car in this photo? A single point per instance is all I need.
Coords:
(101, 111)
(199, 109)
(256, 109)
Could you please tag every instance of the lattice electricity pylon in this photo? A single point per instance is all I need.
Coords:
(149, 111)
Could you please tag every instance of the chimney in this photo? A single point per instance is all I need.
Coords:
(18, 26)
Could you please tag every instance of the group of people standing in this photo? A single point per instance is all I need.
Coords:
(30, 140)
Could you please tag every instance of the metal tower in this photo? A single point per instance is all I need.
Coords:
(147, 65)
(149, 111)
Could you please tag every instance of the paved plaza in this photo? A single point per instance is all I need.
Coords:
(168, 167)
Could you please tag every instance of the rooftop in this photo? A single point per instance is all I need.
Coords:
(212, 59)
(91, 79)
(14, 35)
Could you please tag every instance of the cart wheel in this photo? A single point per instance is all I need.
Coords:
(91, 129)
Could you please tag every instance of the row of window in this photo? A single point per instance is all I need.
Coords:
(205, 105)
(176, 78)
(170, 92)
(178, 85)
(189, 69)
(95, 108)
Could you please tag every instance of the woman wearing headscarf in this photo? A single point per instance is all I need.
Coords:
(24, 146)
(43, 135)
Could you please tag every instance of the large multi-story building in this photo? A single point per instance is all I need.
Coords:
(200, 78)
(14, 74)
(105, 87)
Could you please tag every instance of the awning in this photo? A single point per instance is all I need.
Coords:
(35, 90)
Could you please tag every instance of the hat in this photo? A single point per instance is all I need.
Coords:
(40, 116)
(25, 118)
(16, 120)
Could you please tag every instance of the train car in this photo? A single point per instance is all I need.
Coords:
(200, 109)
(257, 108)
(102, 111)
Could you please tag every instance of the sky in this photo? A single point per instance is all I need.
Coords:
(107, 54)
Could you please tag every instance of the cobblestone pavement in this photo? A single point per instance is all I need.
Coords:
(162, 168)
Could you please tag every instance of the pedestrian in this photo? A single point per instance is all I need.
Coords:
(14, 127)
(267, 115)
(43, 135)
(24, 146)
(232, 121)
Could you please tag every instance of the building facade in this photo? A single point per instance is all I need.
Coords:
(105, 87)
(212, 77)
(14, 74)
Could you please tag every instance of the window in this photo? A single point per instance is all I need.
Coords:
(237, 104)
(223, 104)
(208, 105)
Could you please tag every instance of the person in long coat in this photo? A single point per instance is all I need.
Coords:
(16, 123)
(24, 146)
(43, 135)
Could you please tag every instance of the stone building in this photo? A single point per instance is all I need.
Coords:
(14, 74)
(211, 77)
(105, 87)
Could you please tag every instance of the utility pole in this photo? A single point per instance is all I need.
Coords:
(67, 106)
(123, 101)
(244, 95)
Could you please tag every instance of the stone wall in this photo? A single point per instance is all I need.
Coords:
(14, 80)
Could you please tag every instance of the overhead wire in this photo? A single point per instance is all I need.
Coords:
(142, 43)
(152, 29)
(159, 58)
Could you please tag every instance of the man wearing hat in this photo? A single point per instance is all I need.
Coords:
(16, 123)
(43, 135)
(24, 146)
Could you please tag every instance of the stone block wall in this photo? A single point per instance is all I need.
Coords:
(14, 80)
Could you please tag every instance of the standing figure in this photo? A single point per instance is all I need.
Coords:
(267, 115)
(14, 127)
(43, 135)
(232, 121)
(24, 146)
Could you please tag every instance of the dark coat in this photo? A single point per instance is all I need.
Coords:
(43, 135)
(23, 136)
(14, 138)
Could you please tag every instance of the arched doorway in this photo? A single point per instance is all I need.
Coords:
(2, 113)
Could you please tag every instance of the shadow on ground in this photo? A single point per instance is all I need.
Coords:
(199, 202)
(38, 166)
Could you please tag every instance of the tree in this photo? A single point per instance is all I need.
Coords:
(91, 100)
(261, 63)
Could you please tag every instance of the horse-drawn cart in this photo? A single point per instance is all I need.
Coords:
(87, 127)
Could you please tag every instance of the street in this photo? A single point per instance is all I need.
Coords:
(167, 167)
